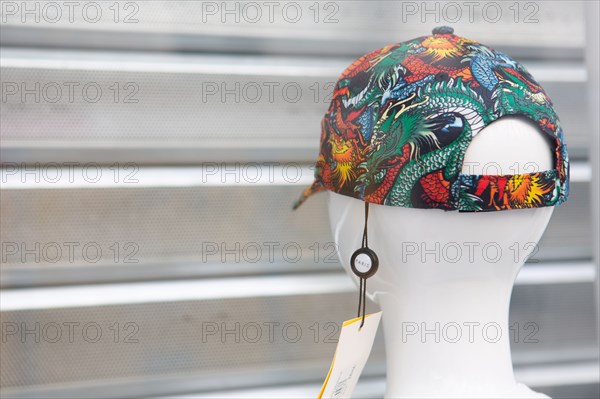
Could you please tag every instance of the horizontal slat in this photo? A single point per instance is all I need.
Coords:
(581, 380)
(290, 27)
(248, 287)
(375, 387)
(173, 291)
(93, 176)
(194, 108)
(561, 273)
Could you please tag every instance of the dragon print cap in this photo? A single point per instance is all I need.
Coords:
(401, 119)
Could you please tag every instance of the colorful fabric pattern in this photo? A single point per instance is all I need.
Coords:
(402, 117)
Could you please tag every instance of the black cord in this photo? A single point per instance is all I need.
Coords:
(365, 240)
(362, 291)
(364, 302)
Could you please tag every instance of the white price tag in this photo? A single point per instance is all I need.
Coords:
(351, 354)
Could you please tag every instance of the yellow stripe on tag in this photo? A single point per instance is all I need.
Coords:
(352, 321)
(327, 378)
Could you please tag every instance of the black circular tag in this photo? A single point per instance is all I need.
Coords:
(364, 262)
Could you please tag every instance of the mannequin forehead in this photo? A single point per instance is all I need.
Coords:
(392, 228)
(510, 145)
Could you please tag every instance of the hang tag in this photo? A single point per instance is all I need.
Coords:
(353, 350)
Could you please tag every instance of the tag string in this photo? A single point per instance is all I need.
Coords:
(362, 291)
(362, 300)
(360, 296)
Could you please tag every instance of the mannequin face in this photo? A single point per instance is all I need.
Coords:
(428, 245)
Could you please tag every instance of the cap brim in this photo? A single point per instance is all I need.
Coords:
(316, 187)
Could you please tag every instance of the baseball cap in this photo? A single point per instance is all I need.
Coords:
(402, 117)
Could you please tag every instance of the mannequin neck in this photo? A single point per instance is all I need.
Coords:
(430, 347)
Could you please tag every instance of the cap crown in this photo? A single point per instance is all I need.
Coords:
(401, 119)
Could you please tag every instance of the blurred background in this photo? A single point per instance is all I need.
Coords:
(151, 151)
